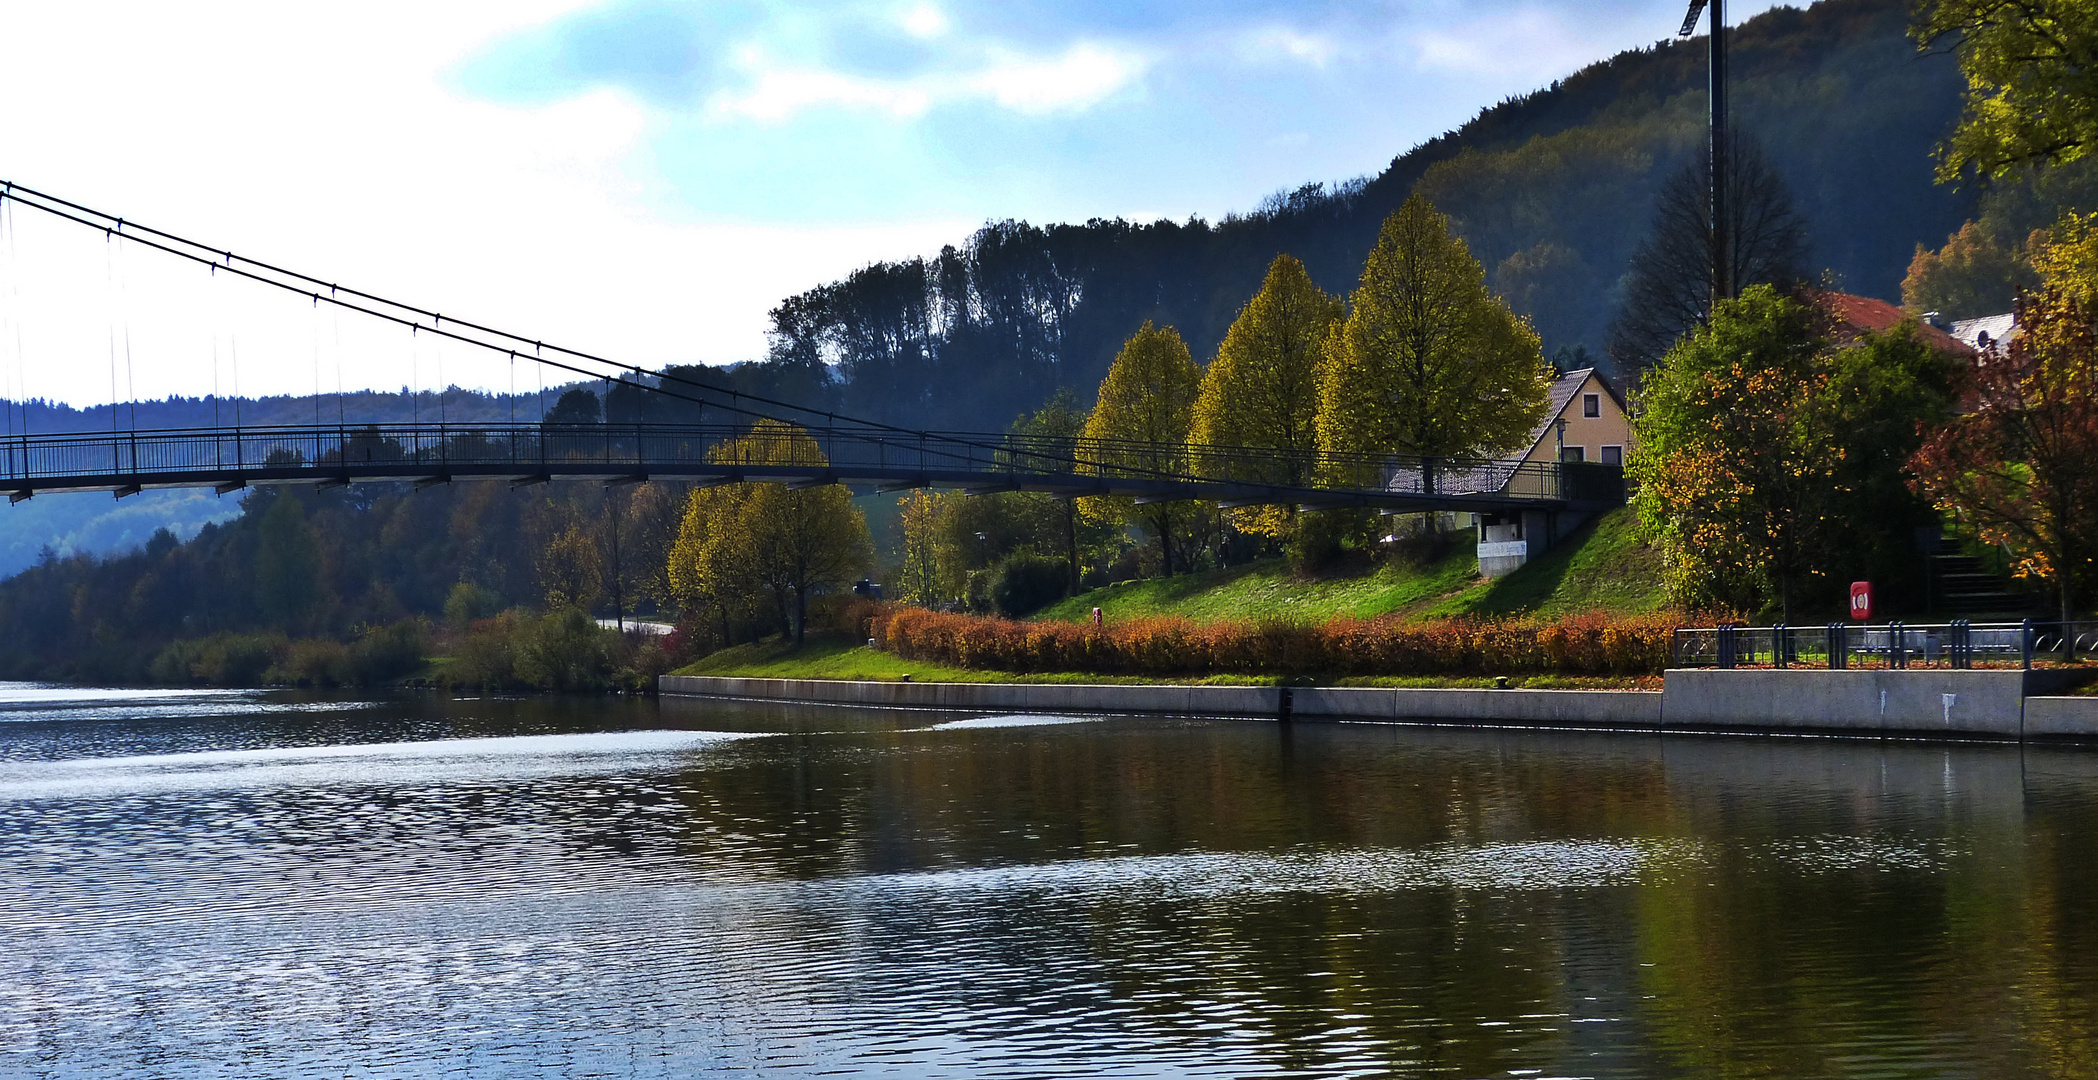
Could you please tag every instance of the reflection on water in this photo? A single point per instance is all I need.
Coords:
(271, 885)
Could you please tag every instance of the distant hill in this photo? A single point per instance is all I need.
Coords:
(92, 523)
(1553, 190)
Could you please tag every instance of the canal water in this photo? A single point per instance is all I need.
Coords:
(271, 885)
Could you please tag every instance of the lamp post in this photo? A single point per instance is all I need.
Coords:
(1721, 240)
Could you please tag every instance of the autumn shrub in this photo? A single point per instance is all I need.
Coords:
(311, 662)
(1580, 645)
(386, 653)
(564, 650)
(1024, 583)
(485, 657)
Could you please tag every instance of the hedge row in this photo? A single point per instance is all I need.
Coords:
(1582, 645)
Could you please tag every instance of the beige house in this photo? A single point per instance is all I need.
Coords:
(1583, 421)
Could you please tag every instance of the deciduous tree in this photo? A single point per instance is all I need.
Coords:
(919, 518)
(571, 570)
(2032, 81)
(1669, 289)
(1141, 422)
(1428, 362)
(1727, 467)
(1971, 276)
(287, 562)
(765, 538)
(1261, 391)
(1768, 456)
(2018, 467)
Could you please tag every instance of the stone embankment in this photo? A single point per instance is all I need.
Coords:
(2002, 705)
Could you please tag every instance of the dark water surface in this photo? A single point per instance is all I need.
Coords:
(266, 885)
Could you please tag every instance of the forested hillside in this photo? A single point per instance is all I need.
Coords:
(1553, 190)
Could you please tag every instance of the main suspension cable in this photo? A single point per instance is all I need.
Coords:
(281, 277)
(463, 331)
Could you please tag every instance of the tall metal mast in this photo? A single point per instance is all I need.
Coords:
(1722, 238)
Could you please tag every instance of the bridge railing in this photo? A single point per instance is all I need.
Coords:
(391, 448)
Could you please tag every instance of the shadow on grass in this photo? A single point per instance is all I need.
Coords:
(1600, 566)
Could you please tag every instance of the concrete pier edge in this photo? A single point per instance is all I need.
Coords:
(1993, 705)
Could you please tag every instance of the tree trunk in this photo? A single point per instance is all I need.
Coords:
(1071, 542)
(801, 613)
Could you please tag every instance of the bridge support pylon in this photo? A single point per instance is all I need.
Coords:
(1509, 540)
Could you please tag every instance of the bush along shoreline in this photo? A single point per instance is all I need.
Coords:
(518, 650)
(1593, 644)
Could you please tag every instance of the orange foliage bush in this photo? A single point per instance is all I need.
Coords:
(1581, 645)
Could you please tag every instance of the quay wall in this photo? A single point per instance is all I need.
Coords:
(1981, 704)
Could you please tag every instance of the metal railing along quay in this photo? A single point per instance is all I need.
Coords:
(1839, 646)
(232, 457)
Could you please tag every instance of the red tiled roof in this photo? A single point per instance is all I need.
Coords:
(1857, 314)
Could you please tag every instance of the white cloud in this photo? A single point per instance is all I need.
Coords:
(1526, 45)
(355, 160)
(1282, 42)
(1083, 76)
(1078, 78)
(924, 21)
(778, 94)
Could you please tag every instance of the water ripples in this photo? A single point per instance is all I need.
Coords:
(998, 897)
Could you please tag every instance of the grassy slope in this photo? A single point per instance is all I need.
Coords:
(1603, 566)
(1268, 590)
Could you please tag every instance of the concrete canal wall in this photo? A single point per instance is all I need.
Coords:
(1943, 703)
(1582, 708)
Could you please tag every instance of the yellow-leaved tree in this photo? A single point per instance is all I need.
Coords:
(1428, 363)
(751, 547)
(1141, 422)
(1261, 391)
(1971, 276)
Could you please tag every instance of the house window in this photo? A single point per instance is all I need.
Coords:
(1591, 404)
(1570, 453)
(1613, 455)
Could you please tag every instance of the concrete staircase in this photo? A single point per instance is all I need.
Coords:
(1962, 588)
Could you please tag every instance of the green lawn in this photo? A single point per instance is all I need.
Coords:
(1267, 589)
(1603, 566)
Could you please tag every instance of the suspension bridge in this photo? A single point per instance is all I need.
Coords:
(804, 448)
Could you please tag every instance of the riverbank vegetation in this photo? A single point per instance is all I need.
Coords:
(838, 655)
(1169, 646)
(1776, 455)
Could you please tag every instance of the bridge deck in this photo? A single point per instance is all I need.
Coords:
(231, 458)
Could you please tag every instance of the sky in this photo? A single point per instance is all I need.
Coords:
(646, 179)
